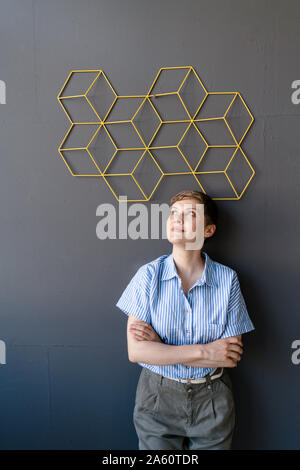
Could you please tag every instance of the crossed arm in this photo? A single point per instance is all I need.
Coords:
(145, 345)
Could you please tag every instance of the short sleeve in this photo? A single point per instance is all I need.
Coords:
(135, 298)
(238, 320)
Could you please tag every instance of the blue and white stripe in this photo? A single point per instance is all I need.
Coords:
(213, 308)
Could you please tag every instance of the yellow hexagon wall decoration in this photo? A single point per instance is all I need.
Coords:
(217, 123)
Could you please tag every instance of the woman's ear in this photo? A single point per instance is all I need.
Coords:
(209, 230)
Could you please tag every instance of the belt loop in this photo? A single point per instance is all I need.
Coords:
(208, 381)
(161, 379)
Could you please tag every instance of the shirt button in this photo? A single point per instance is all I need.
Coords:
(188, 332)
(187, 367)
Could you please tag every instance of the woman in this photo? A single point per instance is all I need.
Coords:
(186, 314)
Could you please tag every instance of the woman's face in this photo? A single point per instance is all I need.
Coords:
(185, 221)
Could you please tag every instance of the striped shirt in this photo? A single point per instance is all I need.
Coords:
(213, 308)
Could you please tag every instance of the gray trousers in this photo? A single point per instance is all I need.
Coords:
(173, 415)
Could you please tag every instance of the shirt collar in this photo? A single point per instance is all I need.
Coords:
(208, 275)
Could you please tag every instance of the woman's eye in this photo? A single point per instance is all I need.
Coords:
(189, 213)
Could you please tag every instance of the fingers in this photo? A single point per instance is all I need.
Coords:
(142, 326)
(231, 363)
(144, 329)
(236, 348)
(140, 332)
(234, 356)
(235, 340)
(140, 335)
(140, 322)
(139, 327)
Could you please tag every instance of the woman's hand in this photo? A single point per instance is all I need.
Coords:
(142, 331)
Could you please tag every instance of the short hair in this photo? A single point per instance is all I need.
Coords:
(211, 212)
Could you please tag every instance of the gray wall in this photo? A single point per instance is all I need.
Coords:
(67, 383)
